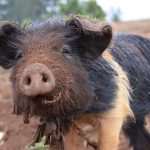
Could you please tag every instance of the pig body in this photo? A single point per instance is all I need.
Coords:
(133, 54)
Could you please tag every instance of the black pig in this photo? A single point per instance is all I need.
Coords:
(67, 72)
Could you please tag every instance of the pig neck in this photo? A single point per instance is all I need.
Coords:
(102, 78)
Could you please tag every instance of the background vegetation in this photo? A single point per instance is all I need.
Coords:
(20, 10)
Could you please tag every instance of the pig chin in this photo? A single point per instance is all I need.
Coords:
(56, 105)
(48, 99)
(47, 104)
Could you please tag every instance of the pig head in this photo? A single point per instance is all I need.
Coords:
(48, 77)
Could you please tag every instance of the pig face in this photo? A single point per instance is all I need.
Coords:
(50, 79)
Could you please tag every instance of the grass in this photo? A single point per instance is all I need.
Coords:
(39, 146)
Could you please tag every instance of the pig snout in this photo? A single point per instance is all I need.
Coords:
(36, 79)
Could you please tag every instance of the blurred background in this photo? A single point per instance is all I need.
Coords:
(129, 16)
(110, 10)
(125, 15)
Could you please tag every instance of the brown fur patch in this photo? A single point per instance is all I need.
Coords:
(71, 139)
(147, 123)
(123, 95)
(107, 56)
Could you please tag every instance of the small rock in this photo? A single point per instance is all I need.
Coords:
(2, 135)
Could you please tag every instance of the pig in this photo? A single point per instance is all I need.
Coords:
(68, 70)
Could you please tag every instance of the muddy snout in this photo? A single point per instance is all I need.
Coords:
(36, 79)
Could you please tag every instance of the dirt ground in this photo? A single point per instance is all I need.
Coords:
(14, 135)
(141, 27)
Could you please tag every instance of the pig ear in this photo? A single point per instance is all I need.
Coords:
(9, 43)
(94, 37)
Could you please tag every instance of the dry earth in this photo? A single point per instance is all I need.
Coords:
(15, 134)
(141, 27)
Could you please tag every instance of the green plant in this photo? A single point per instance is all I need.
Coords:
(39, 146)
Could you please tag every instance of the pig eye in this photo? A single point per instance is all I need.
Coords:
(66, 50)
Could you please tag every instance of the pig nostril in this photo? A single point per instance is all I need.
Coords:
(44, 77)
(27, 81)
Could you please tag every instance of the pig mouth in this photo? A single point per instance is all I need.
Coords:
(49, 99)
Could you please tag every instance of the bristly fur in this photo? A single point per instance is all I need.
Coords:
(133, 54)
